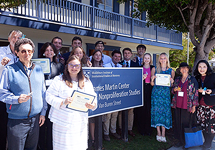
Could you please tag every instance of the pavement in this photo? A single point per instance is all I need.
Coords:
(193, 148)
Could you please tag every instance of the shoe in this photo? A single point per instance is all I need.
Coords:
(117, 136)
(131, 133)
(158, 138)
(106, 138)
(119, 131)
(163, 139)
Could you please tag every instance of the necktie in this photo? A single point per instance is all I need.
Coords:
(141, 59)
(115, 65)
(127, 64)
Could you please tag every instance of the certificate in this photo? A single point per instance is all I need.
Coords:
(79, 101)
(162, 80)
(44, 63)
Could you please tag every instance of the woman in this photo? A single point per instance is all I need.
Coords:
(206, 109)
(48, 50)
(97, 59)
(161, 117)
(69, 126)
(185, 100)
(144, 113)
(79, 51)
(96, 62)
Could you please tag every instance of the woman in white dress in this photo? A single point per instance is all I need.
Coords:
(69, 126)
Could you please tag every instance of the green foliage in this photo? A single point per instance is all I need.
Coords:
(178, 56)
(7, 4)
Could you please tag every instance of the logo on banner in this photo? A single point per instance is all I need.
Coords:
(87, 73)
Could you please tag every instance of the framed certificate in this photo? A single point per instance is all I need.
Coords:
(163, 80)
(79, 101)
(44, 63)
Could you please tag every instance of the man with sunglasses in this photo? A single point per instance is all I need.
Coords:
(22, 88)
(7, 57)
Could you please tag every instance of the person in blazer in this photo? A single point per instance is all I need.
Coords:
(127, 62)
(206, 110)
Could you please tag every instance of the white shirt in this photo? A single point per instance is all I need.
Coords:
(112, 65)
(6, 52)
(59, 91)
(105, 58)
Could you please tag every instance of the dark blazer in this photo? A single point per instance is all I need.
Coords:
(66, 56)
(133, 64)
(209, 83)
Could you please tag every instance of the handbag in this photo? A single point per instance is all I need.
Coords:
(193, 135)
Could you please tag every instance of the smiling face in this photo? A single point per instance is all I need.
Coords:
(78, 52)
(49, 52)
(163, 60)
(127, 55)
(74, 67)
(147, 59)
(57, 43)
(184, 70)
(25, 53)
(141, 51)
(97, 56)
(12, 39)
(100, 47)
(202, 68)
(116, 58)
(76, 43)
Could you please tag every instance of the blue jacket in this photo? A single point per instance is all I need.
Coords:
(19, 82)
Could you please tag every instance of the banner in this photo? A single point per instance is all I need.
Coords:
(117, 88)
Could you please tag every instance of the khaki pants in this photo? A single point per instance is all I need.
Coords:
(109, 122)
(130, 119)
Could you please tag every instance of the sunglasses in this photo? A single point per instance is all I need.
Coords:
(25, 51)
(77, 66)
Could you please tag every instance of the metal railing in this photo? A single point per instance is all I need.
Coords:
(72, 13)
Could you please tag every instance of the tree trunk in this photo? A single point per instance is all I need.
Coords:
(200, 55)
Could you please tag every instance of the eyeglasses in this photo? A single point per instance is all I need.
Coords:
(77, 66)
(25, 51)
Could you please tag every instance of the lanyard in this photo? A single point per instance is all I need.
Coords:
(184, 82)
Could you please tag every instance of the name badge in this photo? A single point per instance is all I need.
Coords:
(181, 94)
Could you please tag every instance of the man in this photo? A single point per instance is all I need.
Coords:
(7, 57)
(22, 88)
(57, 41)
(141, 49)
(127, 62)
(111, 118)
(99, 45)
(76, 41)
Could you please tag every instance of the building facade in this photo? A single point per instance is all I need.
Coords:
(92, 20)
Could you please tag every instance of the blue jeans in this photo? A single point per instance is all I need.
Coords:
(23, 134)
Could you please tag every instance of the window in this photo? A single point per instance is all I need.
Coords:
(105, 4)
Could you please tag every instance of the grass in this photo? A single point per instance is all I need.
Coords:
(140, 142)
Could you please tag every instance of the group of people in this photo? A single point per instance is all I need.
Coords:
(35, 115)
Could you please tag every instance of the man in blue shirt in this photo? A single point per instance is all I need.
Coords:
(99, 45)
(110, 119)
(22, 88)
(7, 57)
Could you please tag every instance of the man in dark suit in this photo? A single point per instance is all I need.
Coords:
(76, 41)
(127, 62)
(141, 49)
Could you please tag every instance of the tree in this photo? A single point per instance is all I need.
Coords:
(7, 4)
(194, 16)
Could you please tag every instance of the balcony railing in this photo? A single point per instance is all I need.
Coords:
(71, 13)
